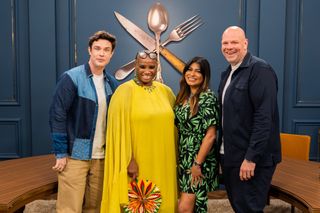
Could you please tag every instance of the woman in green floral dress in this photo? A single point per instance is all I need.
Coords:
(196, 111)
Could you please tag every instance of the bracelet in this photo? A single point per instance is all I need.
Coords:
(195, 163)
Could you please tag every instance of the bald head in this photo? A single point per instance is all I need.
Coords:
(234, 45)
(234, 30)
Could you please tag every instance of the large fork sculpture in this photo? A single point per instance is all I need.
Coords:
(177, 34)
(183, 29)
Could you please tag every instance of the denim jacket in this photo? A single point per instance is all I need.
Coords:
(73, 112)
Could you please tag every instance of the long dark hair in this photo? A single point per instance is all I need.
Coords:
(185, 91)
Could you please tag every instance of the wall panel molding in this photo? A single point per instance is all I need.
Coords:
(66, 45)
(309, 127)
(304, 75)
(242, 13)
(251, 23)
(9, 93)
(73, 30)
(10, 131)
(298, 123)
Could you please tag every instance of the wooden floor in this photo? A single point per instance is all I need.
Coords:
(219, 194)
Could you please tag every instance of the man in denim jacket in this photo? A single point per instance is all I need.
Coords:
(78, 117)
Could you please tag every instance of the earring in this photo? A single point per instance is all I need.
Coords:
(135, 79)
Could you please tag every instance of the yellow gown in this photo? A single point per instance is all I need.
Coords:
(140, 121)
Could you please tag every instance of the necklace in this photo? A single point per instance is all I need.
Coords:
(146, 88)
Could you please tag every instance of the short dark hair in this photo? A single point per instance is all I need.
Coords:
(103, 35)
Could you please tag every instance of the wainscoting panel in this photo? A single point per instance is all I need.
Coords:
(309, 127)
(307, 76)
(10, 145)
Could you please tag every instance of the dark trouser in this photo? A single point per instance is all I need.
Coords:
(251, 195)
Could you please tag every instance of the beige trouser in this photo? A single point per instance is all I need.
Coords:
(80, 186)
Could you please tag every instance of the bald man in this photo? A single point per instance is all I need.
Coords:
(250, 139)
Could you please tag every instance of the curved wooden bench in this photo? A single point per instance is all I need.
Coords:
(25, 180)
(298, 183)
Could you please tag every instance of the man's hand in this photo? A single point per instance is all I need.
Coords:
(247, 170)
(133, 169)
(60, 164)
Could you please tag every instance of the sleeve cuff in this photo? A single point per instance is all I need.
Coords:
(252, 156)
(58, 156)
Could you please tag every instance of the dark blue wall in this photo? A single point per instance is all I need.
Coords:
(42, 38)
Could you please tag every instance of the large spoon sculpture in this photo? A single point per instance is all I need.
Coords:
(158, 23)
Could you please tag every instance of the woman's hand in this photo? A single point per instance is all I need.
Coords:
(196, 175)
(133, 169)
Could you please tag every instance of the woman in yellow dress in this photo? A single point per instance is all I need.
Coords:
(141, 139)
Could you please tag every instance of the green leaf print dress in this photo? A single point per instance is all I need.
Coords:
(191, 132)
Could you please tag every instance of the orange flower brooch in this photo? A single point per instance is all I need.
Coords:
(144, 197)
